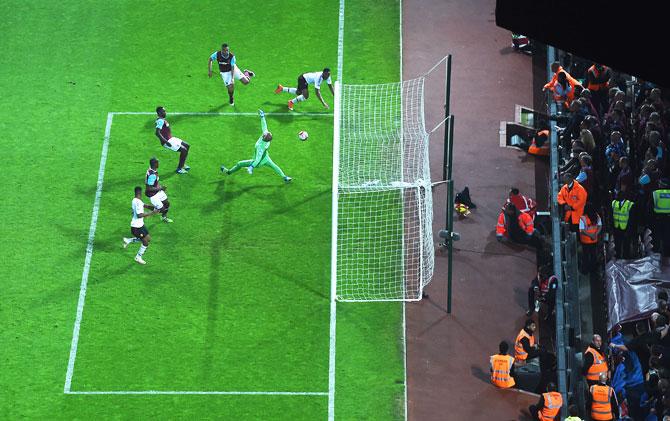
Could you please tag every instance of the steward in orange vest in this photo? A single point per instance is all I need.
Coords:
(524, 345)
(598, 77)
(502, 367)
(604, 405)
(540, 144)
(515, 225)
(573, 196)
(590, 226)
(523, 203)
(549, 405)
(594, 363)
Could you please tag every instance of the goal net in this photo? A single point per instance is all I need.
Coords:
(382, 205)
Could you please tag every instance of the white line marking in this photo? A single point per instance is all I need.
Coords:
(294, 114)
(333, 252)
(89, 254)
(188, 392)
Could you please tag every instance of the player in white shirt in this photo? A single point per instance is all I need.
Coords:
(304, 80)
(137, 227)
(228, 70)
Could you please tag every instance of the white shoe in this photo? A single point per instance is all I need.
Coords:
(287, 179)
(139, 260)
(126, 241)
(166, 220)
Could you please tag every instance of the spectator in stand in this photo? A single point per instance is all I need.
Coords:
(621, 212)
(616, 119)
(587, 139)
(548, 408)
(661, 230)
(585, 97)
(572, 165)
(649, 181)
(624, 180)
(615, 149)
(656, 101)
(594, 362)
(597, 81)
(602, 400)
(656, 150)
(585, 176)
(502, 367)
(619, 95)
(590, 226)
(573, 198)
(525, 347)
(572, 128)
(594, 127)
(655, 118)
(542, 288)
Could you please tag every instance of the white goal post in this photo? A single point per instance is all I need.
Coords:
(382, 201)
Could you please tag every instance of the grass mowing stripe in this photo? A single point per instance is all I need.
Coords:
(89, 255)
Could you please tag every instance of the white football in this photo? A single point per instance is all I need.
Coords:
(302, 135)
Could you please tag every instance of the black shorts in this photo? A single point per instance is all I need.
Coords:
(302, 83)
(140, 232)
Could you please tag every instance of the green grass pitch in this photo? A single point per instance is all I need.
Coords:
(235, 296)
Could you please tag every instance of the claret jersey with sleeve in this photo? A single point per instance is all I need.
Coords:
(163, 125)
(151, 179)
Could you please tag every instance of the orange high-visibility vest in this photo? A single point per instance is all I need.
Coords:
(602, 83)
(533, 149)
(500, 228)
(520, 354)
(552, 404)
(599, 365)
(591, 228)
(601, 406)
(501, 365)
(576, 198)
(526, 223)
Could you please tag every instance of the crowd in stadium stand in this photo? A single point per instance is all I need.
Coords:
(612, 134)
(615, 171)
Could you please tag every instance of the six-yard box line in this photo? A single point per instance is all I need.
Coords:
(89, 254)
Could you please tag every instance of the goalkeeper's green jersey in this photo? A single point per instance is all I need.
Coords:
(261, 151)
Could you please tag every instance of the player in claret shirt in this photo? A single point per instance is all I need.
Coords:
(229, 70)
(164, 134)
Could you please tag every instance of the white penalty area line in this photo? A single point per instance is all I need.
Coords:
(89, 254)
(232, 114)
(189, 392)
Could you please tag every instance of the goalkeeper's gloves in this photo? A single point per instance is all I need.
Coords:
(261, 113)
(250, 169)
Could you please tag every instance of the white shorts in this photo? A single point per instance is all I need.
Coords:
(175, 144)
(157, 199)
(228, 76)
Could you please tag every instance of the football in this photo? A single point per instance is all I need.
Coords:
(302, 135)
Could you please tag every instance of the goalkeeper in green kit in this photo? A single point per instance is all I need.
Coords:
(261, 157)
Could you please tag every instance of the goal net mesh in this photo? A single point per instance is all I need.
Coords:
(384, 200)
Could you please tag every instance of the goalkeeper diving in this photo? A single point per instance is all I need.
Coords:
(261, 156)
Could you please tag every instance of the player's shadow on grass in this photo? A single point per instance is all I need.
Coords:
(228, 195)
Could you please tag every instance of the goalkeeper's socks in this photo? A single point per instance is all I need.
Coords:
(141, 251)
(299, 98)
(290, 90)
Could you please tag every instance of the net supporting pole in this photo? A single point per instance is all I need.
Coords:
(450, 227)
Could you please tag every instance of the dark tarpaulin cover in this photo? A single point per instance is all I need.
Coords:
(632, 287)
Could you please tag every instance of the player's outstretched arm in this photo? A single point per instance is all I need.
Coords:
(318, 95)
(264, 124)
(209, 68)
(332, 91)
